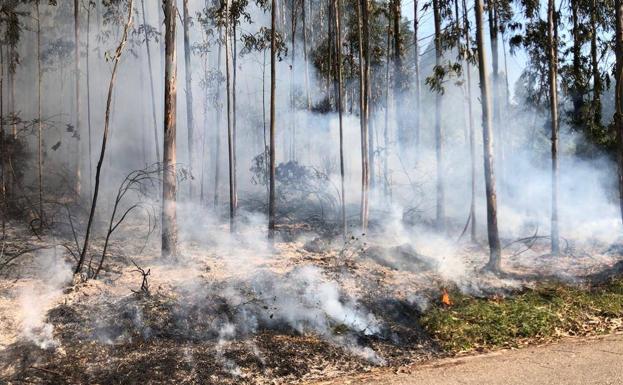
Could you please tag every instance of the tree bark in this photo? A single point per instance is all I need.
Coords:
(416, 59)
(189, 98)
(495, 252)
(88, 76)
(230, 129)
(39, 122)
(340, 107)
(219, 108)
(273, 96)
(595, 67)
(77, 94)
(169, 183)
(111, 85)
(364, 71)
(472, 131)
(151, 83)
(440, 190)
(552, 36)
(618, 118)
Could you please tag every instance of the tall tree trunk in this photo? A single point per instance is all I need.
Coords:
(495, 252)
(39, 122)
(595, 67)
(88, 76)
(151, 83)
(386, 177)
(169, 183)
(552, 36)
(340, 107)
(3, 168)
(441, 209)
(416, 59)
(219, 109)
(189, 98)
(77, 85)
(304, 20)
(618, 118)
(495, 60)
(403, 137)
(364, 72)
(577, 97)
(472, 131)
(111, 85)
(230, 129)
(273, 96)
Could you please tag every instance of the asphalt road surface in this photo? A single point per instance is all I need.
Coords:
(572, 361)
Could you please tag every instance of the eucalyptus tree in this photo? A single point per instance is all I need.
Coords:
(552, 37)
(169, 182)
(495, 250)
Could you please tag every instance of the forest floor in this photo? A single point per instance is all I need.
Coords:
(241, 311)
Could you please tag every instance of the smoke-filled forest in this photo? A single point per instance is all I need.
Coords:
(235, 191)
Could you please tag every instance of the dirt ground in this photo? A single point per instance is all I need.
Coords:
(241, 311)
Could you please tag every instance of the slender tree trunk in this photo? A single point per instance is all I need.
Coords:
(403, 137)
(273, 95)
(230, 129)
(495, 252)
(304, 20)
(39, 122)
(386, 176)
(364, 71)
(576, 97)
(151, 84)
(77, 85)
(340, 107)
(618, 118)
(3, 168)
(441, 209)
(416, 59)
(111, 85)
(169, 185)
(88, 75)
(219, 108)
(552, 35)
(595, 67)
(472, 131)
(189, 98)
(495, 60)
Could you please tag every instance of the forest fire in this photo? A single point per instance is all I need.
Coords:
(339, 187)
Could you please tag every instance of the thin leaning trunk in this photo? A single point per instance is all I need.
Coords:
(495, 252)
(151, 84)
(271, 174)
(189, 98)
(440, 186)
(169, 182)
(338, 92)
(552, 35)
(111, 85)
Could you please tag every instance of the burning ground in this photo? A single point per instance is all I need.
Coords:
(306, 309)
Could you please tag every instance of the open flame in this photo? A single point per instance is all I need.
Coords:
(445, 297)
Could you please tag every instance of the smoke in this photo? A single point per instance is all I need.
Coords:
(35, 297)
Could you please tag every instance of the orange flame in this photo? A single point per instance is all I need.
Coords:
(445, 298)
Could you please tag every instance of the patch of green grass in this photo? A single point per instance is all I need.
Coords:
(543, 313)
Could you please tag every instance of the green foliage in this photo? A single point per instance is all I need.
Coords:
(543, 313)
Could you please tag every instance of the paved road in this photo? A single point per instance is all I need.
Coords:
(570, 362)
